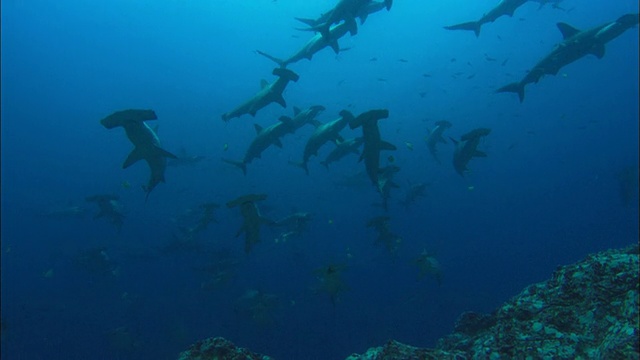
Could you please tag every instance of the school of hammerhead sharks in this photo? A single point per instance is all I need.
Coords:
(329, 27)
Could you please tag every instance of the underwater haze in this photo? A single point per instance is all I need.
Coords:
(137, 277)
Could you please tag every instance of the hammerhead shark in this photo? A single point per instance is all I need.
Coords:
(109, 208)
(324, 133)
(317, 43)
(504, 7)
(363, 13)
(268, 93)
(435, 137)
(265, 137)
(145, 140)
(467, 149)
(342, 149)
(575, 45)
(251, 218)
(373, 143)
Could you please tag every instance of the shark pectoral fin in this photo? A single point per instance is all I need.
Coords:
(280, 100)
(296, 111)
(598, 51)
(387, 146)
(263, 83)
(363, 18)
(277, 143)
(479, 153)
(352, 26)
(335, 46)
(134, 156)
(164, 152)
(442, 140)
(567, 30)
(258, 128)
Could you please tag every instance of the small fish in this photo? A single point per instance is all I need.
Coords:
(408, 145)
(126, 185)
(225, 147)
(471, 76)
(471, 188)
(382, 79)
(391, 159)
(489, 58)
(504, 62)
(453, 60)
(373, 59)
(48, 274)
(564, 75)
(403, 60)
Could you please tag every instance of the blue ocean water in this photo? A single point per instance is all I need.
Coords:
(547, 194)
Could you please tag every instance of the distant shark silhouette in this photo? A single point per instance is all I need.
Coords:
(265, 137)
(251, 218)
(576, 44)
(109, 208)
(145, 140)
(435, 137)
(268, 94)
(467, 149)
(504, 7)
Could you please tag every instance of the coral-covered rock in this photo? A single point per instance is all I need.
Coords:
(219, 349)
(588, 310)
(394, 350)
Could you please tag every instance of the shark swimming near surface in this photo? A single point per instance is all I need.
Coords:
(435, 136)
(504, 7)
(266, 137)
(345, 11)
(316, 43)
(252, 219)
(269, 93)
(324, 133)
(575, 45)
(145, 141)
(467, 148)
(362, 14)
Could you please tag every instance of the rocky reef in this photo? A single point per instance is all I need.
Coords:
(219, 349)
(588, 310)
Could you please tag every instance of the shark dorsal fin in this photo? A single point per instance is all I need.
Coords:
(258, 128)
(567, 30)
(263, 83)
(296, 111)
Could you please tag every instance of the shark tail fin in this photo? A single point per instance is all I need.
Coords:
(471, 25)
(515, 87)
(239, 164)
(273, 58)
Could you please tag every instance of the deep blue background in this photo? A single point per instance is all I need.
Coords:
(546, 195)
